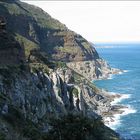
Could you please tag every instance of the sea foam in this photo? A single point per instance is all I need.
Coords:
(115, 121)
(126, 71)
(110, 76)
(122, 97)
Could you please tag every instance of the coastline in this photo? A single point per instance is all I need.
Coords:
(108, 74)
(112, 118)
(109, 106)
(119, 110)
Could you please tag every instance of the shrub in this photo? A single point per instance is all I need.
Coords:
(74, 128)
(2, 136)
(75, 92)
(31, 131)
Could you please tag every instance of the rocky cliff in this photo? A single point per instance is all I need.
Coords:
(37, 90)
(38, 97)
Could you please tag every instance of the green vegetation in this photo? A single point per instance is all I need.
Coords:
(67, 49)
(23, 127)
(8, 70)
(59, 92)
(2, 136)
(34, 28)
(36, 67)
(43, 19)
(77, 78)
(29, 45)
(75, 92)
(14, 116)
(70, 127)
(86, 45)
(7, 76)
(60, 64)
(31, 131)
(91, 85)
(73, 127)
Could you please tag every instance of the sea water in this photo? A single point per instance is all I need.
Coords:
(127, 58)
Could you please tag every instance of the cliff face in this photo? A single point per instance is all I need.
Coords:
(36, 87)
(38, 97)
(93, 70)
(35, 95)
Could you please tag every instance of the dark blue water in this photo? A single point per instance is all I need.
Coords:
(126, 58)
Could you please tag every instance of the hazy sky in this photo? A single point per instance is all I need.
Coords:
(97, 21)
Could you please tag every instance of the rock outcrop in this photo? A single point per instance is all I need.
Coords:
(39, 97)
(93, 69)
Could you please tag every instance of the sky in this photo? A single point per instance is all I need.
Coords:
(97, 21)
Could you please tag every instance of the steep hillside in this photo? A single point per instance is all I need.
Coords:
(41, 97)
(34, 98)
(35, 29)
(32, 26)
(33, 103)
(11, 53)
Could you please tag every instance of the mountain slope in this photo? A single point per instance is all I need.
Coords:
(11, 52)
(31, 24)
(33, 101)
(35, 29)
(41, 99)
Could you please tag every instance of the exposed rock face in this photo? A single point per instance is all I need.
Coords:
(46, 95)
(93, 70)
(73, 47)
(39, 94)
(39, 97)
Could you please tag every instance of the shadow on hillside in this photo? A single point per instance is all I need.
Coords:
(11, 52)
(29, 29)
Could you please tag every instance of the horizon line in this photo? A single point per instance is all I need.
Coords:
(94, 42)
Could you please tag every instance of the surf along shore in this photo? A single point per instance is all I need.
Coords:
(112, 118)
(115, 110)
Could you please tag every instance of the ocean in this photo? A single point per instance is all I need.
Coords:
(127, 58)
